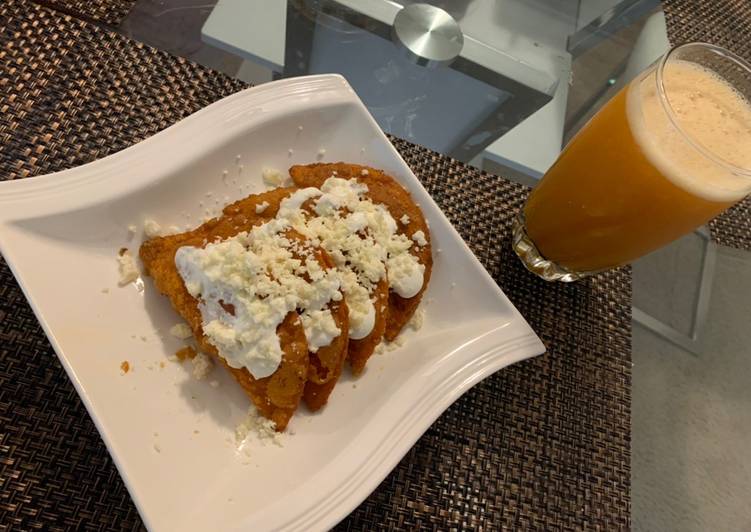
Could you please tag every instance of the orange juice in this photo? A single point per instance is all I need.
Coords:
(644, 170)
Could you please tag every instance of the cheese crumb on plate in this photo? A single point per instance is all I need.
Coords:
(181, 331)
(202, 366)
(417, 319)
(151, 228)
(127, 267)
(257, 425)
(272, 177)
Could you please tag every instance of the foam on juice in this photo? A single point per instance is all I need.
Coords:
(711, 113)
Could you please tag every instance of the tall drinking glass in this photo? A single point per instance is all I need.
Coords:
(669, 152)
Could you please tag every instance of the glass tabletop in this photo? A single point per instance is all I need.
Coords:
(525, 78)
(528, 75)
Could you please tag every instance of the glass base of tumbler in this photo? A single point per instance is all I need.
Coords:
(533, 259)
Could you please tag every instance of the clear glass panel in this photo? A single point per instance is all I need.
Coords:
(517, 62)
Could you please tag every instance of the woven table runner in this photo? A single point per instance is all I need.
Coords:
(543, 444)
(726, 23)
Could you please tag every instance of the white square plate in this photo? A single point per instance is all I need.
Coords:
(171, 436)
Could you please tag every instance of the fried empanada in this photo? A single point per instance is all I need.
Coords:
(277, 395)
(302, 374)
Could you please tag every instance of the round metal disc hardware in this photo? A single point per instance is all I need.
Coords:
(430, 36)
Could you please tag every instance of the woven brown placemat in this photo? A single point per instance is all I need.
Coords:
(109, 12)
(51, 63)
(726, 23)
(543, 444)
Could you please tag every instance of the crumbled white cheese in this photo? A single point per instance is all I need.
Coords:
(387, 347)
(417, 319)
(404, 219)
(171, 230)
(132, 230)
(257, 276)
(127, 268)
(419, 237)
(320, 328)
(181, 331)
(246, 285)
(255, 424)
(202, 366)
(151, 228)
(272, 177)
(262, 207)
(364, 171)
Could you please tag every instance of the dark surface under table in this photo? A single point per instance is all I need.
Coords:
(543, 444)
